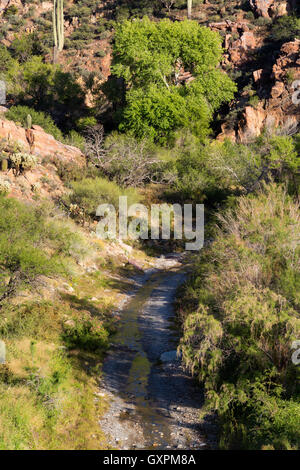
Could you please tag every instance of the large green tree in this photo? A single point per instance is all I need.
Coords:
(172, 77)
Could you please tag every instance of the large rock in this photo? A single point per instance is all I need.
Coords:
(278, 109)
(248, 40)
(251, 124)
(43, 180)
(3, 5)
(43, 144)
(270, 8)
(261, 7)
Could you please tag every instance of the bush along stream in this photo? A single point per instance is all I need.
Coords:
(153, 402)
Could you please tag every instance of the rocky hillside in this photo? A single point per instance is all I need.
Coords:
(261, 52)
(258, 55)
(269, 104)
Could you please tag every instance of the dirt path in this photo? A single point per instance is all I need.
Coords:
(154, 403)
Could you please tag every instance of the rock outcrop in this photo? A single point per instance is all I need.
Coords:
(43, 180)
(3, 4)
(239, 41)
(43, 144)
(270, 8)
(280, 109)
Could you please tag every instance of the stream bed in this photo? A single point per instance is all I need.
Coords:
(153, 402)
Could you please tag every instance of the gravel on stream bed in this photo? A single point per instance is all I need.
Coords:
(153, 402)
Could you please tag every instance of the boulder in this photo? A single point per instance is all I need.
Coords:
(251, 124)
(257, 74)
(42, 144)
(277, 89)
(261, 7)
(248, 40)
(270, 8)
(3, 110)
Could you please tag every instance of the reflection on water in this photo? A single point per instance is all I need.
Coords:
(155, 426)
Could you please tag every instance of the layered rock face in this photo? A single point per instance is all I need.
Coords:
(239, 41)
(281, 108)
(270, 8)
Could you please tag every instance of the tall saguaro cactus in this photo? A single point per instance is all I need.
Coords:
(189, 8)
(58, 27)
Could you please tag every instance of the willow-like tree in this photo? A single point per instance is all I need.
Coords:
(172, 76)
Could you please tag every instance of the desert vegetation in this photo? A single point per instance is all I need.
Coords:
(160, 108)
(242, 320)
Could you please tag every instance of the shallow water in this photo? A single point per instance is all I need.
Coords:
(154, 405)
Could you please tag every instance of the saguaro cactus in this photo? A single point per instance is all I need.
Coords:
(29, 121)
(189, 8)
(58, 27)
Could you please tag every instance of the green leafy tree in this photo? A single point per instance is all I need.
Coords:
(6, 61)
(47, 88)
(22, 257)
(26, 46)
(171, 75)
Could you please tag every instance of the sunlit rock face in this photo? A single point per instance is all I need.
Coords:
(270, 8)
(3, 5)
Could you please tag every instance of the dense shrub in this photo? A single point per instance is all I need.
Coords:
(242, 318)
(217, 169)
(6, 60)
(136, 8)
(26, 46)
(89, 193)
(86, 333)
(21, 162)
(30, 246)
(286, 28)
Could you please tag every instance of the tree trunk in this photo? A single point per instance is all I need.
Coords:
(189, 8)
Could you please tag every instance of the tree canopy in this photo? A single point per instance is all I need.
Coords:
(172, 77)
